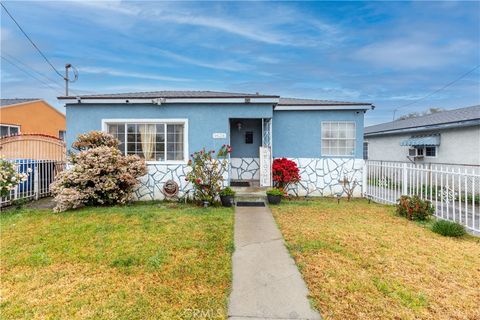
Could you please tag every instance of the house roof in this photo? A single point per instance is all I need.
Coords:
(9, 102)
(171, 94)
(159, 97)
(448, 118)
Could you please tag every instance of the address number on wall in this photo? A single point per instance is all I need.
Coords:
(219, 135)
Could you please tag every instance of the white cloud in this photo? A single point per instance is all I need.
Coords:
(266, 29)
(246, 30)
(220, 65)
(127, 74)
(412, 53)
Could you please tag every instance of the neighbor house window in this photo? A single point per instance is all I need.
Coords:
(338, 138)
(151, 141)
(8, 130)
(61, 134)
(431, 151)
(365, 150)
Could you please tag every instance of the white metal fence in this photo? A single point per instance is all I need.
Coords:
(453, 190)
(41, 174)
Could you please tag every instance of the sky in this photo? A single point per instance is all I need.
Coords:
(387, 53)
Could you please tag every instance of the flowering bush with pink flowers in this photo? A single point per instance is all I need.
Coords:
(10, 177)
(94, 139)
(100, 174)
(207, 171)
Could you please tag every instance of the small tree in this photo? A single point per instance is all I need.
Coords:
(284, 173)
(100, 174)
(348, 186)
(207, 172)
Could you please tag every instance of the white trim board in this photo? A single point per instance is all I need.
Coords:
(154, 121)
(334, 107)
(160, 101)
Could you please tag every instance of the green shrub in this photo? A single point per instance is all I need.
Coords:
(448, 228)
(207, 173)
(227, 192)
(275, 192)
(414, 208)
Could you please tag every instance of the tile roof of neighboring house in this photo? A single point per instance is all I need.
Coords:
(8, 102)
(435, 119)
(172, 94)
(313, 102)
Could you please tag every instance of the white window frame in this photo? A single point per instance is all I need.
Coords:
(184, 122)
(365, 143)
(425, 152)
(355, 139)
(10, 126)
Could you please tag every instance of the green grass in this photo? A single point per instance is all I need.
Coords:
(144, 261)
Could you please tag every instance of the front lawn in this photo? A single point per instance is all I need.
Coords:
(145, 261)
(360, 261)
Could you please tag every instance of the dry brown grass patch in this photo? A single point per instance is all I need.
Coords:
(360, 261)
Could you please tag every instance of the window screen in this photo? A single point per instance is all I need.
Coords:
(338, 138)
(151, 141)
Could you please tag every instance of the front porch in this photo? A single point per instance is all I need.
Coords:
(250, 160)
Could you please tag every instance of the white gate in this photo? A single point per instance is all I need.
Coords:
(41, 157)
(453, 190)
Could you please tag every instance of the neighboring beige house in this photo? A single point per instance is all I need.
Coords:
(450, 137)
(30, 116)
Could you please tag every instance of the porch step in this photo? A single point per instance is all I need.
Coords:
(250, 190)
(250, 198)
(250, 194)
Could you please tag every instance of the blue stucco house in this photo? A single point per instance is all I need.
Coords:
(325, 138)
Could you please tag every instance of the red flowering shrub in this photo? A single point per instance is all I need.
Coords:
(284, 172)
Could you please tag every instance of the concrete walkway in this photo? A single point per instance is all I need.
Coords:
(266, 281)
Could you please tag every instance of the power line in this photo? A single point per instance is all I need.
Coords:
(436, 91)
(31, 41)
(32, 69)
(30, 75)
(38, 72)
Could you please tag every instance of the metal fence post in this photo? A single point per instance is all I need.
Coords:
(364, 178)
(36, 182)
(404, 179)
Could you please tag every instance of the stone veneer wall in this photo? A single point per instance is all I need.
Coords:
(245, 168)
(319, 177)
(151, 185)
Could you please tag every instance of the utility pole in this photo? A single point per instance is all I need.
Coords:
(67, 66)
